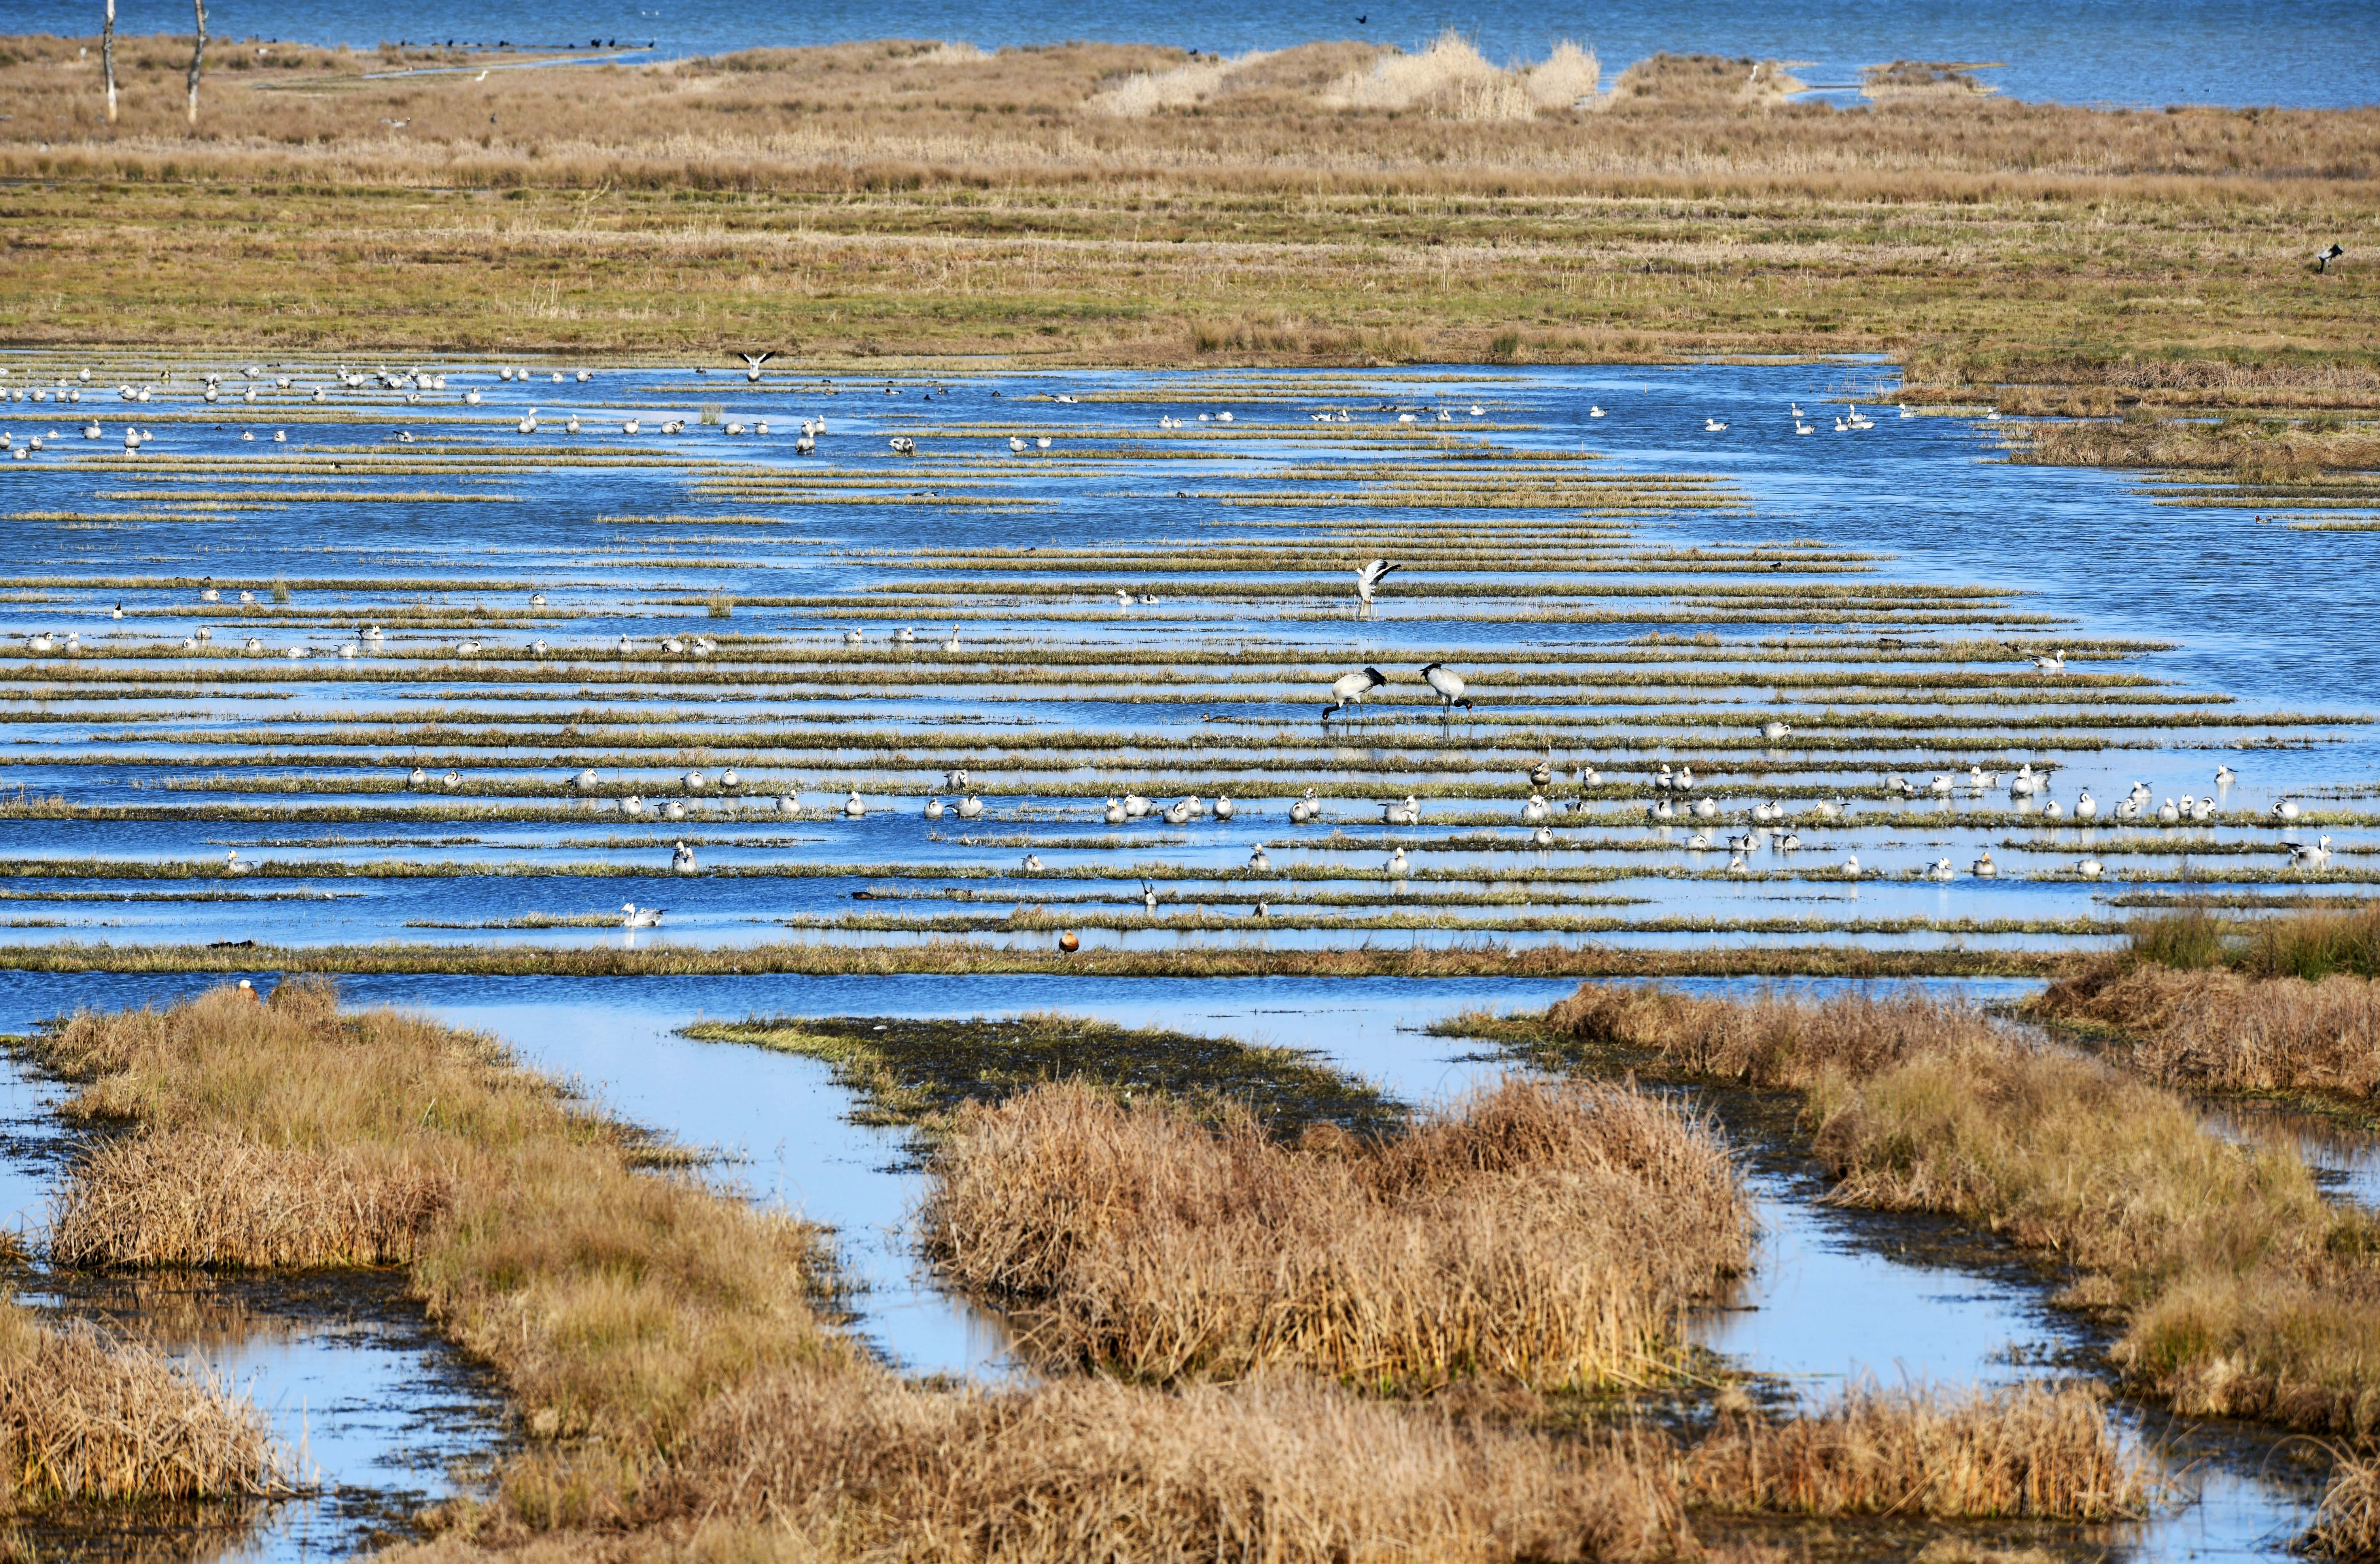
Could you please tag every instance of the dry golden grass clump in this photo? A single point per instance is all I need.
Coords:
(1279, 1468)
(2347, 1524)
(2029, 1452)
(610, 1298)
(1770, 1039)
(2222, 1029)
(1548, 1235)
(82, 1417)
(193, 1198)
(1451, 78)
(1144, 92)
(2244, 1293)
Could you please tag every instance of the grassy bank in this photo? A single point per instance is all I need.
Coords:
(870, 202)
(1548, 1236)
(961, 956)
(2240, 1291)
(2287, 1003)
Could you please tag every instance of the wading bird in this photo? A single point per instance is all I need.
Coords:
(1368, 581)
(1349, 689)
(1449, 685)
(2322, 258)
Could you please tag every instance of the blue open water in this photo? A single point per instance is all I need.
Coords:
(2306, 54)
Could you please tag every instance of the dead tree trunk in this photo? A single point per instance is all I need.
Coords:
(198, 57)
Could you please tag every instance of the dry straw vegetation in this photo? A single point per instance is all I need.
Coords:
(1333, 202)
(685, 1396)
(1546, 1235)
(2026, 1452)
(85, 1417)
(2283, 1004)
(2240, 1290)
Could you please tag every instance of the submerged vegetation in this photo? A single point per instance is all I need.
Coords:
(921, 1072)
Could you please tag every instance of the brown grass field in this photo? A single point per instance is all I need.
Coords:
(871, 202)
(684, 1397)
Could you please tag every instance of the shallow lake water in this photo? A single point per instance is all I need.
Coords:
(2127, 51)
(596, 647)
(1625, 593)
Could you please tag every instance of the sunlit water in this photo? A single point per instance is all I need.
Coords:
(1950, 564)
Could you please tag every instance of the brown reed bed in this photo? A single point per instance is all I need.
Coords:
(682, 1397)
(86, 1417)
(2347, 1524)
(1541, 1234)
(608, 1297)
(2241, 1291)
(2027, 1451)
(2279, 1003)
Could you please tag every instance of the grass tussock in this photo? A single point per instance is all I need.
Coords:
(84, 1417)
(2030, 1451)
(2346, 1525)
(1544, 1234)
(1451, 78)
(1769, 1040)
(1287, 1469)
(2274, 1004)
(193, 1198)
(2242, 1292)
